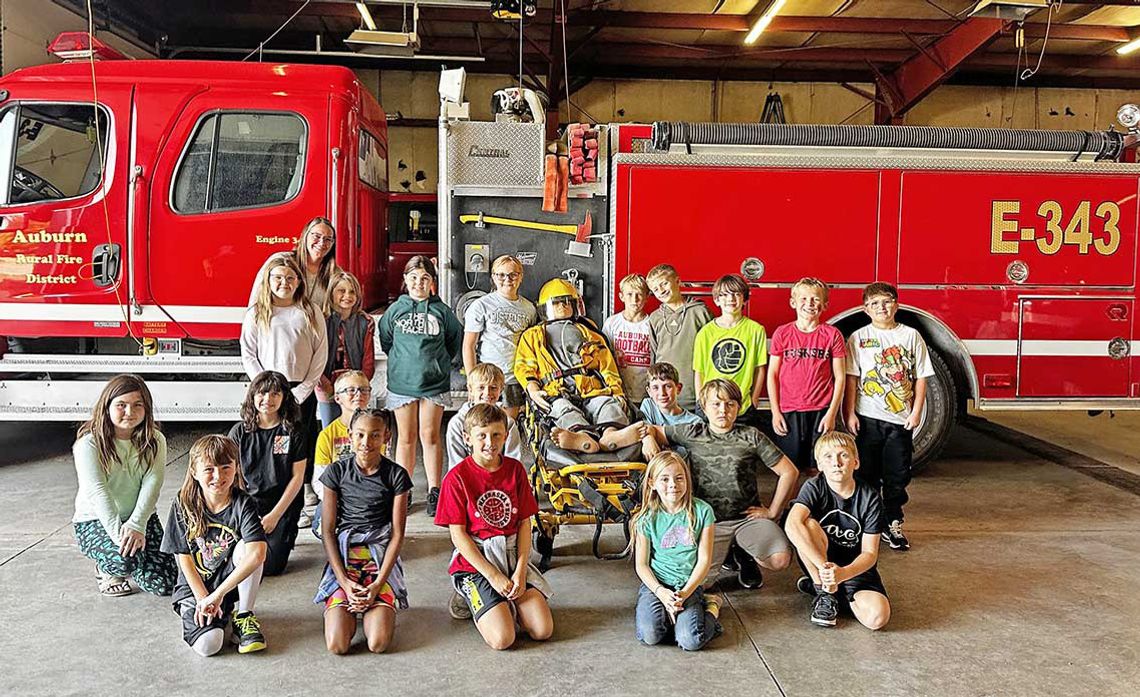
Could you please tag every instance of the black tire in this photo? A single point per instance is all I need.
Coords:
(940, 415)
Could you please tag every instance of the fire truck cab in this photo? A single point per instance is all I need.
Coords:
(139, 198)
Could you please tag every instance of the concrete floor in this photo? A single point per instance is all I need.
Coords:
(1021, 582)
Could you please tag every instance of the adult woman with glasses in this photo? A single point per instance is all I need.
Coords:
(315, 255)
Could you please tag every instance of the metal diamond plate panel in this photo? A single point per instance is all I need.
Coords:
(499, 154)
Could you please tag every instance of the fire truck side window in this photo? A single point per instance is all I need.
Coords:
(237, 160)
(49, 152)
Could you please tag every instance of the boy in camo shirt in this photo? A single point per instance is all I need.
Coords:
(727, 461)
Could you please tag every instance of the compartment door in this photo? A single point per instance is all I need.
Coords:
(1074, 347)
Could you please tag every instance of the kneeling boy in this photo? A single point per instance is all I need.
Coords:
(485, 383)
(835, 524)
(487, 504)
(727, 459)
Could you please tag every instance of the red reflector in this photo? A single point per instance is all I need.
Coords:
(77, 45)
(997, 380)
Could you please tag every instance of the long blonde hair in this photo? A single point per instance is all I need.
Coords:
(214, 449)
(651, 503)
(102, 430)
(263, 305)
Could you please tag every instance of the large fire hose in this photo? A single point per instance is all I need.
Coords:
(1107, 145)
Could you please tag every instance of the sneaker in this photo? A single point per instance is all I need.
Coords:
(729, 563)
(894, 536)
(805, 585)
(458, 607)
(748, 573)
(305, 520)
(432, 501)
(825, 609)
(310, 496)
(247, 633)
(712, 605)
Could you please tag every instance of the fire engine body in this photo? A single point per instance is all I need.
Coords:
(142, 259)
(1014, 251)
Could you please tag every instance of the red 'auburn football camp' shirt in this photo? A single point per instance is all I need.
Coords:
(485, 503)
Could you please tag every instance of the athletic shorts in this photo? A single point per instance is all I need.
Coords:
(869, 580)
(761, 538)
(803, 431)
(361, 568)
(395, 401)
(191, 632)
(513, 395)
(480, 595)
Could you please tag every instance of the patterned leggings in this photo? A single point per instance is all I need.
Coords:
(154, 571)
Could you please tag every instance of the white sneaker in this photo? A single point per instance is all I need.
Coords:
(310, 496)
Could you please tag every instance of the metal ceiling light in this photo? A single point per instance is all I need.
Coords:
(1016, 10)
(762, 23)
(385, 43)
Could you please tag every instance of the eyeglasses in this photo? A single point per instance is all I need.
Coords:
(283, 278)
(353, 391)
(512, 276)
(323, 239)
(877, 304)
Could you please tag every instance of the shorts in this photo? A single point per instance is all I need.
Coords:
(803, 431)
(761, 538)
(869, 580)
(513, 395)
(395, 401)
(191, 632)
(480, 595)
(361, 568)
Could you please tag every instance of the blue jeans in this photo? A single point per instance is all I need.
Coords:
(694, 627)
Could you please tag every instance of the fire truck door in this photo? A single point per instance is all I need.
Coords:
(238, 178)
(1074, 347)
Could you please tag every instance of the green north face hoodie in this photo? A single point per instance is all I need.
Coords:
(421, 337)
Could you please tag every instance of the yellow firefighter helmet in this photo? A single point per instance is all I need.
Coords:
(555, 289)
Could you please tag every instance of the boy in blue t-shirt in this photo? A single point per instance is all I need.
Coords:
(660, 408)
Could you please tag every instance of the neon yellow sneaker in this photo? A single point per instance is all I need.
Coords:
(247, 632)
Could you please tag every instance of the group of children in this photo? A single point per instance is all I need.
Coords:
(237, 514)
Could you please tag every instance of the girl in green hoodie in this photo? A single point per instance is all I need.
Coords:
(421, 336)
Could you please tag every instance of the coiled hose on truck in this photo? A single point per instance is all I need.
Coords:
(1106, 144)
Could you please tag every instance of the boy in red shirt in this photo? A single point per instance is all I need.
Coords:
(806, 375)
(487, 504)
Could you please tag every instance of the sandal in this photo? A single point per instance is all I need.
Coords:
(113, 586)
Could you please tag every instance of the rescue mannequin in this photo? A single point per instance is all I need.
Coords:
(570, 373)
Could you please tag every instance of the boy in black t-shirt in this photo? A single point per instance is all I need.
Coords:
(835, 524)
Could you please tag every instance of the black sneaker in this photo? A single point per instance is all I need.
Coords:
(247, 633)
(825, 610)
(894, 536)
(805, 585)
(748, 571)
(432, 501)
(458, 608)
(729, 563)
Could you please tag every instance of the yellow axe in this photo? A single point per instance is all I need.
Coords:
(581, 233)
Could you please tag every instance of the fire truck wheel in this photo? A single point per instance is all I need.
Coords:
(941, 413)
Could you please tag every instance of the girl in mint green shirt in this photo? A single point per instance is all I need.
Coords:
(120, 457)
(673, 538)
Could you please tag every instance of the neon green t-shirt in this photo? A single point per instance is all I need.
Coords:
(733, 354)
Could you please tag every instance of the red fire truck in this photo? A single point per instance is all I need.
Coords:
(1015, 252)
(139, 198)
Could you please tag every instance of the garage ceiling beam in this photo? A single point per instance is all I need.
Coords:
(826, 25)
(904, 86)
